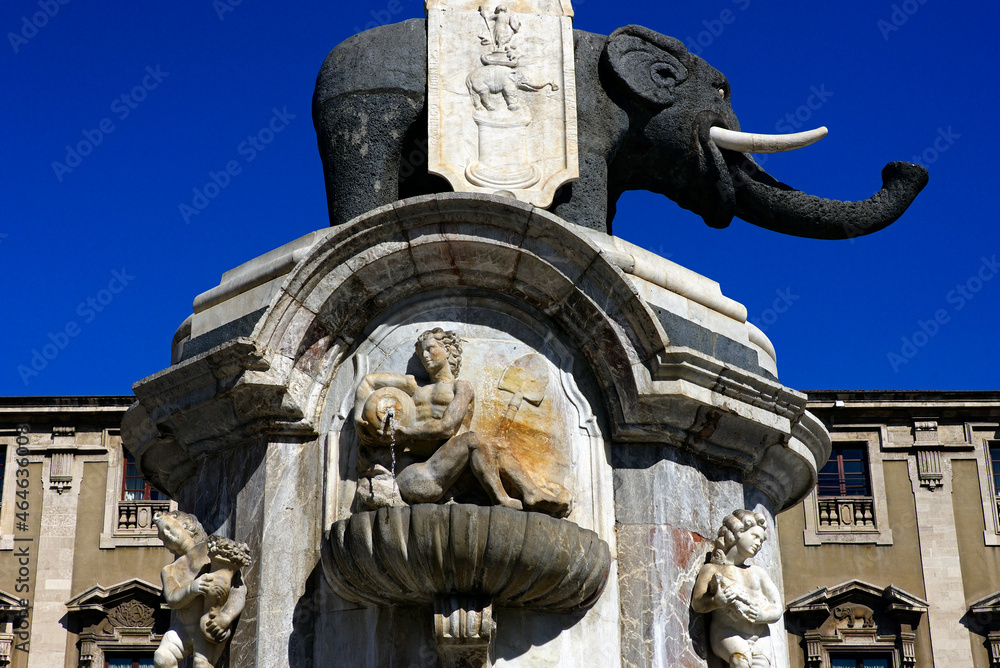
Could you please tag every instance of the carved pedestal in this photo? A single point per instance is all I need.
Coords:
(625, 402)
(464, 627)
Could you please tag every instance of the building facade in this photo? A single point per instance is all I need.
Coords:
(79, 557)
(893, 560)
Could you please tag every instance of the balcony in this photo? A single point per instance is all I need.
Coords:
(843, 513)
(136, 517)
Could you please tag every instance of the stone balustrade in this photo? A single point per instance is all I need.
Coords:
(137, 516)
(847, 512)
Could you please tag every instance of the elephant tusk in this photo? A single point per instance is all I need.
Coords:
(746, 142)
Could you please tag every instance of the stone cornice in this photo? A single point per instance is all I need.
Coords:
(275, 381)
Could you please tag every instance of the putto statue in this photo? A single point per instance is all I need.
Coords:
(204, 588)
(428, 427)
(741, 597)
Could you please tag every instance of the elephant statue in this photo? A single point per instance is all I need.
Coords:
(499, 80)
(651, 116)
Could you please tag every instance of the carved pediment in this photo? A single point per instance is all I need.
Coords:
(107, 599)
(12, 606)
(823, 602)
(858, 615)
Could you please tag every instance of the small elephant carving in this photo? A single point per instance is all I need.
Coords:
(853, 613)
(499, 80)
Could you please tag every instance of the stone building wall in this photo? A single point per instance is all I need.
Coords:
(934, 534)
(79, 567)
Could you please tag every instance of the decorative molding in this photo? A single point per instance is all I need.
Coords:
(515, 130)
(126, 617)
(852, 520)
(985, 617)
(131, 614)
(929, 469)
(12, 610)
(274, 382)
(464, 627)
(857, 616)
(61, 471)
(925, 432)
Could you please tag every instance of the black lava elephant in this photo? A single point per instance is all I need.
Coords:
(649, 117)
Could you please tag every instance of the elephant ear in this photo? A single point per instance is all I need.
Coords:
(651, 65)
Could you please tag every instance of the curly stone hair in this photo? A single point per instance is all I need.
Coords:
(190, 524)
(732, 526)
(451, 342)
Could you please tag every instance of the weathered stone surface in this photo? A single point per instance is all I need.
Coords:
(501, 101)
(203, 587)
(256, 435)
(407, 556)
(499, 421)
(741, 598)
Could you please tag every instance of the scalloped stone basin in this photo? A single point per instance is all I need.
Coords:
(409, 555)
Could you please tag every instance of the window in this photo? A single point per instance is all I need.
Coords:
(994, 466)
(846, 473)
(121, 626)
(3, 468)
(848, 504)
(131, 503)
(858, 661)
(128, 662)
(134, 487)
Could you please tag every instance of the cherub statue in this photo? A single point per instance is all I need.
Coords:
(430, 422)
(206, 568)
(741, 597)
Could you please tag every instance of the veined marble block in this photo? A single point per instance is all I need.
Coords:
(501, 99)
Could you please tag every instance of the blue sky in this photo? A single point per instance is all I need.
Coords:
(100, 265)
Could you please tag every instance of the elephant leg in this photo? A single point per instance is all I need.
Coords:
(586, 201)
(361, 141)
(510, 96)
(484, 98)
(479, 95)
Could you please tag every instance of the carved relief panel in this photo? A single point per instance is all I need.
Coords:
(460, 410)
(522, 416)
(502, 96)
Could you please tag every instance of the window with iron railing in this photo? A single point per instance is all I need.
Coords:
(844, 490)
(134, 486)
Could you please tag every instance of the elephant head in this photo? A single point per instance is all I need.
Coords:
(683, 141)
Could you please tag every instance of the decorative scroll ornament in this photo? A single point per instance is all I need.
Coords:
(131, 615)
(502, 97)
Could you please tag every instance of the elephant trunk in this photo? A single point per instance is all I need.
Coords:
(763, 201)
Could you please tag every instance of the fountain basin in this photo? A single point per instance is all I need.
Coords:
(410, 555)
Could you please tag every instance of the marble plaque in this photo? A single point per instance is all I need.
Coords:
(502, 96)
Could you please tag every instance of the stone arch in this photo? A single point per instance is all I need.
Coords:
(461, 242)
